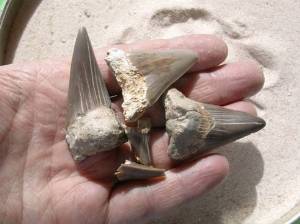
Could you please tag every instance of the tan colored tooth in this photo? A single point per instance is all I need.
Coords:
(134, 171)
(194, 128)
(139, 140)
(91, 123)
(144, 76)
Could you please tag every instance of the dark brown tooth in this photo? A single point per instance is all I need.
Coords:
(91, 124)
(145, 75)
(134, 171)
(139, 140)
(194, 128)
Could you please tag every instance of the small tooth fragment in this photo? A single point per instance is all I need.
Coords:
(195, 128)
(134, 171)
(139, 140)
(145, 75)
(91, 124)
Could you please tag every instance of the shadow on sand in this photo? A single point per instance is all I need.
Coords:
(236, 196)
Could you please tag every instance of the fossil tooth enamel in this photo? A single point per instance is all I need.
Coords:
(139, 140)
(91, 123)
(134, 171)
(145, 75)
(195, 128)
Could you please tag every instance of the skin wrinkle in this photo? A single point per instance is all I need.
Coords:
(206, 90)
(50, 186)
(51, 98)
(21, 176)
(51, 182)
(150, 205)
(56, 170)
(49, 208)
(23, 166)
(180, 183)
(69, 192)
(48, 80)
(49, 176)
(28, 146)
(13, 107)
(27, 97)
(38, 126)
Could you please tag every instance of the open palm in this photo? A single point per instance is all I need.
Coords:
(40, 182)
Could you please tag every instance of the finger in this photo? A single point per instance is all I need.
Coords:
(140, 200)
(159, 139)
(228, 83)
(225, 84)
(211, 50)
(244, 106)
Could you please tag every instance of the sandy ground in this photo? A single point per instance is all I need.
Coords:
(264, 182)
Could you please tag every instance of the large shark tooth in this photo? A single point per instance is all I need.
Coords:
(139, 139)
(195, 128)
(134, 171)
(145, 75)
(91, 123)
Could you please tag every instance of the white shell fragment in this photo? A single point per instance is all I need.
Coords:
(195, 128)
(145, 75)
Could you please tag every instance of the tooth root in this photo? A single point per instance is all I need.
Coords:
(139, 140)
(151, 71)
(195, 128)
(134, 171)
(91, 124)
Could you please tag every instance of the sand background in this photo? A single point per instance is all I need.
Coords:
(264, 183)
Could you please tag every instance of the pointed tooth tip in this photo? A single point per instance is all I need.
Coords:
(82, 34)
(255, 123)
(259, 124)
(82, 30)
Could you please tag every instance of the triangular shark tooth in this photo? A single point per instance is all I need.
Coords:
(145, 75)
(91, 123)
(139, 140)
(135, 171)
(195, 128)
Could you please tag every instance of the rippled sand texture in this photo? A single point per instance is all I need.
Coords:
(264, 182)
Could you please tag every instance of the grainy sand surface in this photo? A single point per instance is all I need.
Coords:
(264, 181)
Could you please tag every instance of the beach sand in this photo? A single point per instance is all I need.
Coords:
(264, 180)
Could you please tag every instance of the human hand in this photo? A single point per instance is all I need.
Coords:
(40, 182)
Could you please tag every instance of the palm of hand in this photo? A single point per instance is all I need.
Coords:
(40, 183)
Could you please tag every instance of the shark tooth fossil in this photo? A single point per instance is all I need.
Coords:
(135, 171)
(145, 75)
(195, 127)
(91, 124)
(139, 140)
